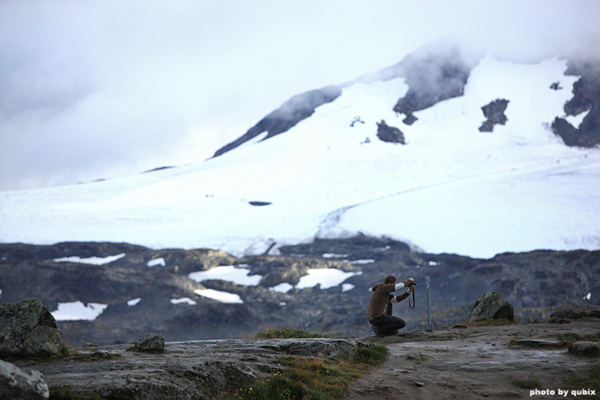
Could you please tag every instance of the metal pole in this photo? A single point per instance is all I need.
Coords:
(429, 326)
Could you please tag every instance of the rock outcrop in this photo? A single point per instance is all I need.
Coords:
(150, 342)
(28, 329)
(491, 306)
(586, 99)
(16, 384)
(585, 348)
(389, 134)
(494, 112)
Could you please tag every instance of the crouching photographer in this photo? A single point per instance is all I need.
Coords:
(379, 312)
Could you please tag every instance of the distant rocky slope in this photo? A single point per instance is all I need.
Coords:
(532, 282)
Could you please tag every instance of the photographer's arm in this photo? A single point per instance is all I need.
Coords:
(399, 298)
(405, 283)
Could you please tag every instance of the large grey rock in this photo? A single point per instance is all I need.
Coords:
(15, 384)
(152, 342)
(585, 348)
(28, 329)
(491, 306)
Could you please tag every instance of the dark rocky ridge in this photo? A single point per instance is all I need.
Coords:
(287, 116)
(586, 97)
(532, 282)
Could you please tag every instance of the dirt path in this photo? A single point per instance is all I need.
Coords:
(476, 362)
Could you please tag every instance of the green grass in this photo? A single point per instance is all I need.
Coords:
(312, 379)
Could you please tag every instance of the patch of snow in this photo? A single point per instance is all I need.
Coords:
(157, 261)
(576, 120)
(77, 311)
(588, 296)
(183, 300)
(282, 287)
(332, 255)
(133, 302)
(223, 297)
(326, 277)
(347, 286)
(90, 260)
(360, 262)
(230, 273)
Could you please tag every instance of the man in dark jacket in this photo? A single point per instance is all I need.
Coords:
(379, 311)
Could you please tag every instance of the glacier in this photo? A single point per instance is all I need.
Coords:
(449, 189)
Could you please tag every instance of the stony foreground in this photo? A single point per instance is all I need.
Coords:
(463, 361)
(473, 362)
(185, 370)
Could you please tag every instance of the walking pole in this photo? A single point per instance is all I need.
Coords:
(429, 326)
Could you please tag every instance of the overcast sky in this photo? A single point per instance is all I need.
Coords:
(100, 89)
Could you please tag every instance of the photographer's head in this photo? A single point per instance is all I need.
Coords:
(390, 279)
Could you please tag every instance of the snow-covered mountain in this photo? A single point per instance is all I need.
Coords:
(406, 153)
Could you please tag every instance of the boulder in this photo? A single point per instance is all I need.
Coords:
(564, 313)
(491, 306)
(585, 348)
(28, 329)
(17, 384)
(150, 342)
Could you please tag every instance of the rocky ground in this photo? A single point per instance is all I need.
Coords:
(471, 361)
(464, 361)
(185, 370)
